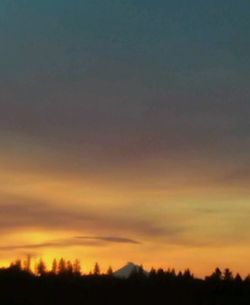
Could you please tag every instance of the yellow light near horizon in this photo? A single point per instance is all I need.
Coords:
(209, 215)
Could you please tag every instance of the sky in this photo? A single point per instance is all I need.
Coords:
(125, 132)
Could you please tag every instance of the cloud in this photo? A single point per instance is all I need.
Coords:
(88, 104)
(236, 176)
(37, 214)
(71, 242)
(112, 239)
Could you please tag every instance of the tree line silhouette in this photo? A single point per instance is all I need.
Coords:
(65, 283)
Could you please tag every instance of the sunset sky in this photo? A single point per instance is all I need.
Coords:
(125, 132)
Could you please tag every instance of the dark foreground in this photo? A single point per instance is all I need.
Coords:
(23, 288)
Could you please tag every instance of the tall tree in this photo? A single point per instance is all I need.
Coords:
(54, 268)
(110, 271)
(62, 266)
(41, 268)
(27, 263)
(96, 269)
(216, 275)
(77, 267)
(227, 275)
(69, 268)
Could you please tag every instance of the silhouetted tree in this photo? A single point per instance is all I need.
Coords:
(138, 273)
(110, 271)
(141, 270)
(19, 287)
(170, 274)
(17, 265)
(27, 263)
(69, 268)
(173, 273)
(180, 274)
(187, 275)
(96, 269)
(160, 272)
(41, 268)
(76, 267)
(152, 273)
(238, 278)
(227, 275)
(247, 279)
(216, 275)
(54, 268)
(62, 266)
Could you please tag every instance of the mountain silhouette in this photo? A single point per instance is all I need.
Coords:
(127, 270)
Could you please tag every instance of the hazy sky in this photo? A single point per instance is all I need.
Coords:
(125, 132)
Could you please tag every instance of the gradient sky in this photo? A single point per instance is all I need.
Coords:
(125, 132)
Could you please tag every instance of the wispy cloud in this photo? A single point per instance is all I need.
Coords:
(112, 239)
(71, 242)
(22, 213)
